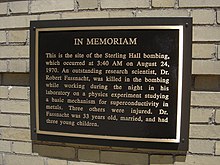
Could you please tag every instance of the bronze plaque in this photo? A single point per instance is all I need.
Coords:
(116, 82)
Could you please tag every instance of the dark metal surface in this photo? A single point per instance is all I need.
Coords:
(119, 133)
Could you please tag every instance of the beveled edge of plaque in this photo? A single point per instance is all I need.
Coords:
(180, 77)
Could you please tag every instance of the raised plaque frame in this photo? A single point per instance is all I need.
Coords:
(184, 25)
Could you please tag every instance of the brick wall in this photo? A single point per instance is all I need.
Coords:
(16, 147)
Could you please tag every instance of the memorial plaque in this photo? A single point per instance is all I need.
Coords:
(116, 82)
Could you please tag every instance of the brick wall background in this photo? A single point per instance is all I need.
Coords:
(15, 144)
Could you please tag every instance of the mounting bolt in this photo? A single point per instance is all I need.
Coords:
(183, 140)
(187, 24)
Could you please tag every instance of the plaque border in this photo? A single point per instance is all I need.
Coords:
(185, 22)
(150, 27)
